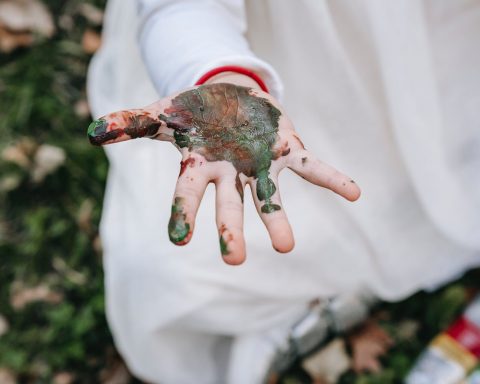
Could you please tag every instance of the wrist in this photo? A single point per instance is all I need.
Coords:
(235, 75)
(234, 78)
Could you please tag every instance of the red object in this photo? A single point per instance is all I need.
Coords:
(467, 334)
(232, 68)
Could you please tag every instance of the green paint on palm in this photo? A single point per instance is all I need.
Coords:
(228, 122)
(178, 228)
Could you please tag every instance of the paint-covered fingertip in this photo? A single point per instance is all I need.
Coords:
(98, 133)
(181, 241)
(232, 246)
(179, 229)
(179, 232)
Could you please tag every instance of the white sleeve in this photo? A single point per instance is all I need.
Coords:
(181, 40)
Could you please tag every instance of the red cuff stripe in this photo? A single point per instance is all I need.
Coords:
(232, 68)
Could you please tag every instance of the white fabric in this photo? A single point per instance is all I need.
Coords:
(388, 92)
(175, 60)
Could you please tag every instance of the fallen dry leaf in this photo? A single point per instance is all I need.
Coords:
(9, 41)
(19, 153)
(82, 109)
(91, 41)
(26, 16)
(74, 276)
(22, 296)
(46, 160)
(63, 378)
(368, 344)
(328, 364)
(115, 373)
(21, 21)
(93, 14)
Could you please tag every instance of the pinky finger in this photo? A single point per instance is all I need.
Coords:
(304, 164)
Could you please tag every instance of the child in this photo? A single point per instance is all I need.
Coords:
(388, 91)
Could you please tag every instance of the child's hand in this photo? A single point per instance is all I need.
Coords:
(229, 135)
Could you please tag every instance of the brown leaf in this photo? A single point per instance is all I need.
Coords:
(368, 344)
(47, 159)
(63, 378)
(115, 373)
(27, 145)
(9, 41)
(82, 109)
(19, 153)
(26, 16)
(21, 21)
(91, 41)
(328, 364)
(22, 296)
(93, 14)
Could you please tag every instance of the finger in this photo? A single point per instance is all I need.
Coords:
(126, 125)
(191, 185)
(269, 206)
(303, 163)
(229, 208)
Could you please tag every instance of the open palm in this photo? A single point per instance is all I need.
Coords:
(232, 136)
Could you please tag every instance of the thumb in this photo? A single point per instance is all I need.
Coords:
(126, 125)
